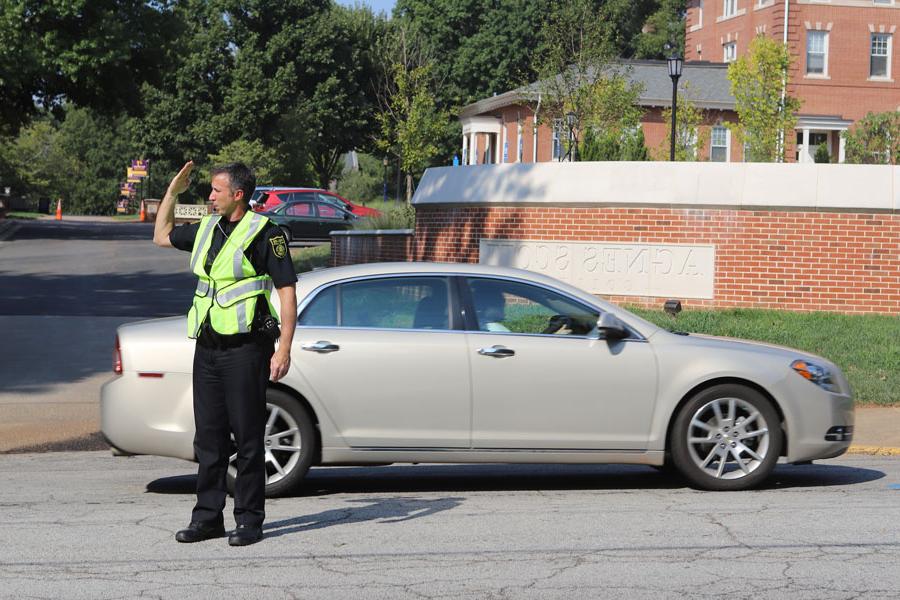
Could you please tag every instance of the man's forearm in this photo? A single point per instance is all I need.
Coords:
(288, 297)
(165, 219)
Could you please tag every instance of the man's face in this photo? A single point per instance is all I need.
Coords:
(225, 201)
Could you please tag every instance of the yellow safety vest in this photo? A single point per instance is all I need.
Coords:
(229, 292)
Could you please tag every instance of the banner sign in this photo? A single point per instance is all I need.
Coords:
(139, 168)
(132, 174)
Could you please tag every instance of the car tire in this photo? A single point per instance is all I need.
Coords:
(287, 233)
(727, 437)
(288, 456)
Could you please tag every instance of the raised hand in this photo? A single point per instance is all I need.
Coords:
(180, 182)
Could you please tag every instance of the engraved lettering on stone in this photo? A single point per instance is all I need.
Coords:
(670, 270)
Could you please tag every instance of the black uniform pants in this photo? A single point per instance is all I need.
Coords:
(230, 397)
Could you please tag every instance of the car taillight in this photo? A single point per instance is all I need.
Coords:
(117, 358)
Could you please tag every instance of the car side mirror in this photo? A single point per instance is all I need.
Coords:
(611, 327)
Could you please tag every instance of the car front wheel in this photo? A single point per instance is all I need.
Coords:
(290, 439)
(727, 437)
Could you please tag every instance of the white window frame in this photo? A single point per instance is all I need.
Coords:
(887, 55)
(726, 4)
(556, 140)
(732, 46)
(826, 39)
(727, 146)
(883, 2)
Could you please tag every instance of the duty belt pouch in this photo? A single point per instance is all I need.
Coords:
(267, 327)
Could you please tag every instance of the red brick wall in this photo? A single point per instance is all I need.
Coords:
(370, 247)
(804, 261)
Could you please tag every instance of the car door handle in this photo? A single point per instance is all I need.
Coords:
(497, 351)
(321, 347)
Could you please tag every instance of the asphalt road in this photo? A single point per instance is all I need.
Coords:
(87, 525)
(64, 288)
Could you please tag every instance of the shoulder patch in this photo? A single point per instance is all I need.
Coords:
(279, 245)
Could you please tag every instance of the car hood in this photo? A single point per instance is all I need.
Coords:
(727, 343)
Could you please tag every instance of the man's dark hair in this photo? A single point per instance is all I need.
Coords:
(241, 176)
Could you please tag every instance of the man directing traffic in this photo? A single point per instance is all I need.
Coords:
(238, 256)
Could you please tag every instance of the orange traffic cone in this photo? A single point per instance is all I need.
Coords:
(59, 210)
(143, 216)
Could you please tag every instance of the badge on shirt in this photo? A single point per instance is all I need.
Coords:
(279, 245)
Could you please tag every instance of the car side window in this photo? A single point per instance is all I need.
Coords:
(511, 307)
(328, 211)
(301, 197)
(322, 311)
(299, 209)
(396, 303)
(333, 200)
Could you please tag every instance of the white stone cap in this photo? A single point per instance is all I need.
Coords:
(749, 186)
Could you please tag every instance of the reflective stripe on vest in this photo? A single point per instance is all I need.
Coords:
(228, 294)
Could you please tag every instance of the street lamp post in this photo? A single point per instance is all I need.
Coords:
(675, 64)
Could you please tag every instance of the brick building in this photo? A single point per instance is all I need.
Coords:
(501, 129)
(845, 66)
(844, 56)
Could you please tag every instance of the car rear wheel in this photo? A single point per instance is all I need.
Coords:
(727, 437)
(290, 439)
(287, 233)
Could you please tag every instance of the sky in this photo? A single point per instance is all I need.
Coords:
(377, 6)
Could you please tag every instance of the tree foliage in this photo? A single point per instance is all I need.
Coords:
(662, 34)
(875, 139)
(580, 84)
(91, 53)
(766, 120)
(689, 136)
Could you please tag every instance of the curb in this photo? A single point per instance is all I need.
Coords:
(874, 450)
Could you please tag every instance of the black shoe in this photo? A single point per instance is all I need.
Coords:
(198, 531)
(244, 535)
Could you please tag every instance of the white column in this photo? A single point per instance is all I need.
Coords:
(504, 148)
(473, 149)
(804, 153)
(465, 148)
(841, 148)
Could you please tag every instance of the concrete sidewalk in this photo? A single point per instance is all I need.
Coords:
(877, 431)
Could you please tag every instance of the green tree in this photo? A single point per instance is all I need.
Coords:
(91, 53)
(97, 150)
(627, 145)
(265, 162)
(765, 118)
(874, 139)
(689, 137)
(662, 34)
(579, 83)
(37, 161)
(364, 184)
(411, 122)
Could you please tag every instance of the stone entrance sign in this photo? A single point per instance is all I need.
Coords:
(658, 270)
(191, 211)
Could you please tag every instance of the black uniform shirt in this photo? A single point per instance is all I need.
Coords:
(267, 253)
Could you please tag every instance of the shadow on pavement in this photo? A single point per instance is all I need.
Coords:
(819, 475)
(382, 510)
(322, 481)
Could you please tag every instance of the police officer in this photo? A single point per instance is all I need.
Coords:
(238, 257)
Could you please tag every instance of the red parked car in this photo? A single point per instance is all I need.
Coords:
(273, 198)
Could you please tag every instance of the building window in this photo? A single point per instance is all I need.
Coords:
(719, 144)
(519, 142)
(730, 52)
(730, 8)
(700, 14)
(557, 137)
(880, 62)
(887, 2)
(816, 52)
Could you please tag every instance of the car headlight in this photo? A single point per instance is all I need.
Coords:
(819, 375)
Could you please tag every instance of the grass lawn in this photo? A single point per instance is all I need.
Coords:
(126, 217)
(21, 214)
(865, 347)
(307, 259)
